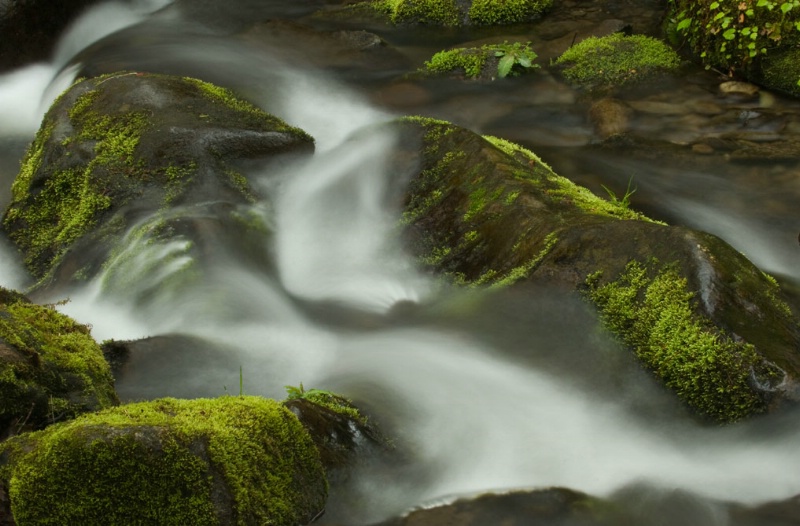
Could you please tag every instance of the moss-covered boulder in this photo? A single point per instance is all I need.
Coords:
(487, 62)
(616, 60)
(50, 367)
(752, 39)
(230, 460)
(708, 323)
(453, 12)
(127, 149)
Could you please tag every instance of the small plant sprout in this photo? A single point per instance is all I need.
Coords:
(514, 54)
(625, 200)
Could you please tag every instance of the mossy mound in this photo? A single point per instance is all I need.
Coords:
(457, 12)
(230, 460)
(50, 367)
(781, 71)
(741, 37)
(116, 149)
(487, 213)
(616, 60)
(486, 62)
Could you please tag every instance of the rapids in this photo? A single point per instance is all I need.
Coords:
(480, 392)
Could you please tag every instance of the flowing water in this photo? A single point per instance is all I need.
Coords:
(481, 392)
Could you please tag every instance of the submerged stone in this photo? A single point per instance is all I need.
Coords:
(710, 325)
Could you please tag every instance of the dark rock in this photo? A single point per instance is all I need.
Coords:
(135, 149)
(31, 28)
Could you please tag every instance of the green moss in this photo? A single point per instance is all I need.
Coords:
(492, 12)
(482, 62)
(565, 190)
(253, 115)
(781, 71)
(55, 370)
(470, 60)
(616, 60)
(336, 403)
(171, 462)
(522, 271)
(650, 308)
(433, 12)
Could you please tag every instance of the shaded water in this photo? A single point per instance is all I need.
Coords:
(482, 392)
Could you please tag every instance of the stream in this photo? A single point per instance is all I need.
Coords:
(480, 392)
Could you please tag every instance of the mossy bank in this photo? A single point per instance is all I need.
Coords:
(453, 12)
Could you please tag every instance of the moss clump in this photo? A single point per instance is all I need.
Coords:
(231, 460)
(492, 12)
(485, 62)
(336, 403)
(616, 60)
(434, 12)
(650, 308)
(781, 71)
(50, 367)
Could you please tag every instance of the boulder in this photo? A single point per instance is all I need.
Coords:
(223, 461)
(50, 367)
(710, 325)
(151, 157)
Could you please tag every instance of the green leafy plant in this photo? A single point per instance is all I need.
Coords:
(512, 55)
(625, 200)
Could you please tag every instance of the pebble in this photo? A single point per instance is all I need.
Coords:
(735, 87)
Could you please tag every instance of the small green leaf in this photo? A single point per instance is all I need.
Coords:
(683, 24)
(525, 62)
(729, 34)
(786, 7)
(499, 53)
(505, 65)
(714, 5)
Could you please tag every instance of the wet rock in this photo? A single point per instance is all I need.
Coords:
(547, 507)
(31, 28)
(491, 214)
(153, 152)
(50, 367)
(610, 117)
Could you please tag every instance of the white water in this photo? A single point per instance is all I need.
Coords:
(475, 418)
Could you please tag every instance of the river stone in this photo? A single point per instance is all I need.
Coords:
(490, 214)
(50, 367)
(610, 117)
(132, 149)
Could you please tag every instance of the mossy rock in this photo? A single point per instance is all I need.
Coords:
(781, 71)
(487, 62)
(50, 367)
(230, 460)
(116, 150)
(454, 12)
(616, 60)
(753, 40)
(487, 213)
